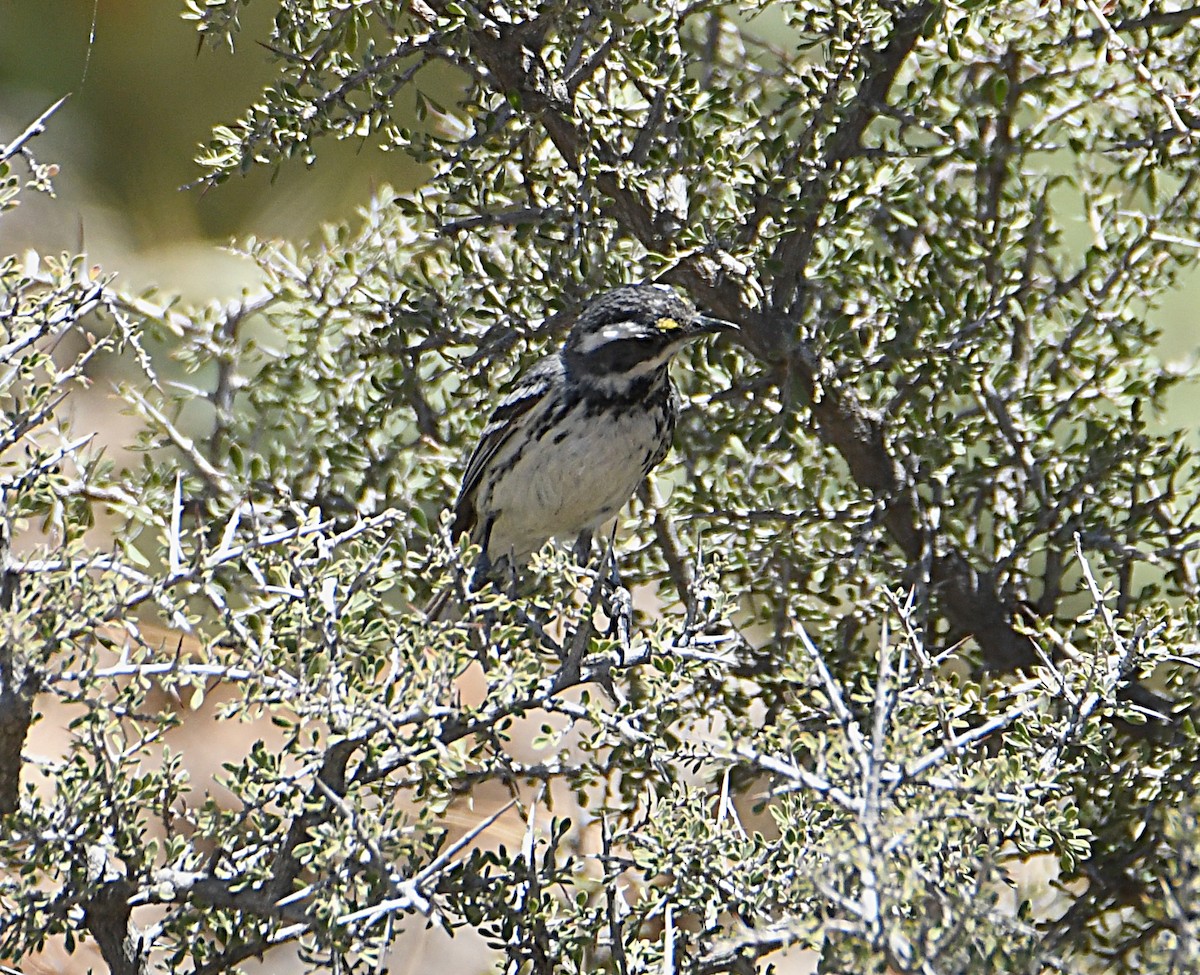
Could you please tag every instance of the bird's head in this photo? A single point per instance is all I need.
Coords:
(631, 333)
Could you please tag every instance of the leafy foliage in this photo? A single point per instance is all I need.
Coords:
(918, 588)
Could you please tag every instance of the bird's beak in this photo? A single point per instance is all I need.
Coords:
(706, 324)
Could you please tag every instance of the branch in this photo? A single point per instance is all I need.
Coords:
(738, 955)
(35, 128)
(1143, 73)
(514, 69)
(882, 64)
(16, 715)
(19, 684)
(107, 916)
(1172, 20)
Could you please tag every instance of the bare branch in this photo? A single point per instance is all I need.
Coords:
(32, 131)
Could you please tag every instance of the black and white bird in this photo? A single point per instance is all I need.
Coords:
(574, 436)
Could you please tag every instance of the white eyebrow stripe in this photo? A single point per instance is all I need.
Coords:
(612, 333)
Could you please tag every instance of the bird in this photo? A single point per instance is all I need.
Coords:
(573, 437)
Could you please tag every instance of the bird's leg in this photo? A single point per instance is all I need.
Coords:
(610, 555)
(618, 603)
(620, 618)
(501, 574)
(483, 569)
(615, 598)
(582, 549)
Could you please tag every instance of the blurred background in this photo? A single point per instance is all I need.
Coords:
(143, 96)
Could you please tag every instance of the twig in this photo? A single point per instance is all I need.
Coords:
(1143, 73)
(32, 131)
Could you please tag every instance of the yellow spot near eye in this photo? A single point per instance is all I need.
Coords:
(667, 324)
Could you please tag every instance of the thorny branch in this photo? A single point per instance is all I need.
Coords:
(282, 897)
(507, 54)
(872, 770)
(32, 131)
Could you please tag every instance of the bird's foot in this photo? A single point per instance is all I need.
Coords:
(618, 607)
(616, 600)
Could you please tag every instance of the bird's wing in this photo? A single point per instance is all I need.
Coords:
(514, 411)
